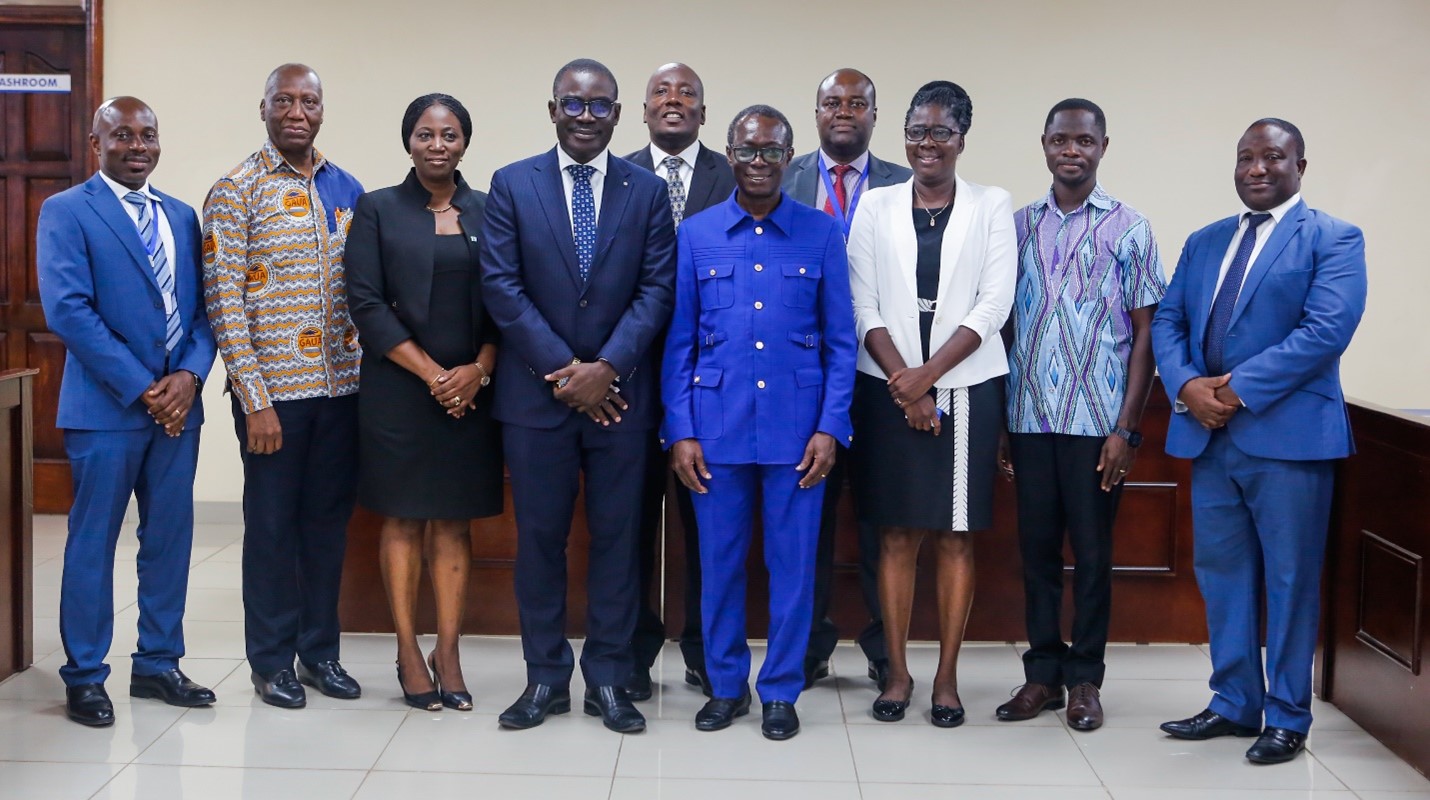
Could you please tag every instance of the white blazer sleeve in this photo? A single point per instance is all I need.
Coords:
(999, 275)
(863, 272)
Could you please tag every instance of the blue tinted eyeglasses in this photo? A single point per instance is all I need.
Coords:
(600, 108)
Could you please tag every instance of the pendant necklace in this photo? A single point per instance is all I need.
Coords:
(933, 218)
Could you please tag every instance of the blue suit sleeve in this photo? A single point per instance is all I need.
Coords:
(678, 367)
(67, 293)
(523, 327)
(651, 305)
(1171, 329)
(840, 344)
(200, 350)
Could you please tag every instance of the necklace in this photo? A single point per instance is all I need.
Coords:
(442, 210)
(933, 217)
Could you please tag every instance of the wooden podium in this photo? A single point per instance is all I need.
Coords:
(17, 503)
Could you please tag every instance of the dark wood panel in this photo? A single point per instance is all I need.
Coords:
(45, 352)
(1391, 579)
(16, 510)
(50, 115)
(38, 190)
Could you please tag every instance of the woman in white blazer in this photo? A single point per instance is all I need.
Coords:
(932, 268)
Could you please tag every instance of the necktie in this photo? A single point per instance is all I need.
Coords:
(159, 262)
(583, 215)
(839, 170)
(676, 187)
(1215, 341)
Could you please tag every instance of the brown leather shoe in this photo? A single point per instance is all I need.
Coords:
(1030, 701)
(1084, 707)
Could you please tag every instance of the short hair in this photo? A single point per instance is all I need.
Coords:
(418, 107)
(873, 91)
(1099, 119)
(272, 82)
(586, 65)
(769, 112)
(1289, 128)
(948, 96)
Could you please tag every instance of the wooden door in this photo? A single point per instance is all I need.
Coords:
(44, 150)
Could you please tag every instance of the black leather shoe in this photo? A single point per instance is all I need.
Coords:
(613, 706)
(720, 712)
(815, 669)
(280, 689)
(1276, 746)
(946, 716)
(173, 687)
(780, 720)
(535, 703)
(879, 673)
(892, 710)
(638, 687)
(697, 677)
(1206, 725)
(330, 678)
(88, 704)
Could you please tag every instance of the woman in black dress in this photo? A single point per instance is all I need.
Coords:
(932, 268)
(430, 450)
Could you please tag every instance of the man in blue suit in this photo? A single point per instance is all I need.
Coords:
(757, 380)
(120, 280)
(1248, 339)
(578, 267)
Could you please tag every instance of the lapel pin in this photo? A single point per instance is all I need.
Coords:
(473, 238)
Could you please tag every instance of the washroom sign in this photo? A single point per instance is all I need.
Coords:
(34, 83)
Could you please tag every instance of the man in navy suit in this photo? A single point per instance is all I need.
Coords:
(120, 280)
(696, 179)
(578, 260)
(833, 178)
(757, 381)
(1249, 340)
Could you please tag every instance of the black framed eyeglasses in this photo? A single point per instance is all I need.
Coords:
(745, 155)
(600, 107)
(917, 133)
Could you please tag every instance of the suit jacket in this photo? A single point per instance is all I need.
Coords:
(1299, 306)
(389, 263)
(101, 298)
(801, 180)
(547, 315)
(978, 269)
(711, 180)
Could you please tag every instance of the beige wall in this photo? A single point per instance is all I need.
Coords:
(1179, 83)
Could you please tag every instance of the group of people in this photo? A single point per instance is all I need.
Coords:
(774, 322)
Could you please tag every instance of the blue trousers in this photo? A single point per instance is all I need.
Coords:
(109, 466)
(1260, 534)
(791, 535)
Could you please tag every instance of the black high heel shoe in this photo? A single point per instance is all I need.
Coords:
(892, 710)
(457, 701)
(427, 701)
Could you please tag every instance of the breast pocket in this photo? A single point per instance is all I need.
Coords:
(709, 416)
(717, 285)
(800, 284)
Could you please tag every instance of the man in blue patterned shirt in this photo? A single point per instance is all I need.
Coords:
(1080, 367)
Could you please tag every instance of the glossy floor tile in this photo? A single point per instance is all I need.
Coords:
(376, 747)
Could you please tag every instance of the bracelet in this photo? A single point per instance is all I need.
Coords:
(486, 376)
(435, 378)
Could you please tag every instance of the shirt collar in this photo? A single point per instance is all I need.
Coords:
(688, 155)
(120, 190)
(782, 217)
(1098, 199)
(1276, 213)
(274, 160)
(600, 162)
(860, 164)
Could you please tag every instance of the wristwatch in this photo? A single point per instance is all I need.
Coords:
(486, 377)
(1134, 438)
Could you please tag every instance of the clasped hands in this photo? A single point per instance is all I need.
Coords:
(455, 390)
(590, 389)
(909, 388)
(1210, 400)
(687, 459)
(169, 400)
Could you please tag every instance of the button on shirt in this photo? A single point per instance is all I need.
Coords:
(1263, 233)
(166, 234)
(568, 181)
(1079, 276)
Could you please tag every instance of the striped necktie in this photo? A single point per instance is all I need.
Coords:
(159, 262)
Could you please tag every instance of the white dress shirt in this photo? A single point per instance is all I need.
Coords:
(166, 234)
(851, 178)
(568, 183)
(686, 170)
(1263, 232)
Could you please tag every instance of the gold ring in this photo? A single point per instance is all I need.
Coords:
(1122, 472)
(456, 401)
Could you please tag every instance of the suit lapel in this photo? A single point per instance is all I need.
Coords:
(549, 191)
(804, 189)
(906, 243)
(614, 195)
(106, 205)
(955, 235)
(181, 259)
(1280, 236)
(1218, 240)
(702, 179)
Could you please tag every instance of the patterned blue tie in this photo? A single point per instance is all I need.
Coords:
(159, 262)
(583, 215)
(1214, 343)
(675, 187)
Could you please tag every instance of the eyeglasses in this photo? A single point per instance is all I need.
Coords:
(916, 133)
(600, 108)
(745, 155)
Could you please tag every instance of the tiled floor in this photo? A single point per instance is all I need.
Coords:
(376, 748)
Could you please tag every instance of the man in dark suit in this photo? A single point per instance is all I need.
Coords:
(120, 281)
(579, 273)
(1249, 340)
(833, 179)
(696, 178)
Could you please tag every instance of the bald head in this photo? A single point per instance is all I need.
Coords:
(846, 76)
(124, 138)
(674, 107)
(116, 107)
(292, 109)
(844, 114)
(294, 70)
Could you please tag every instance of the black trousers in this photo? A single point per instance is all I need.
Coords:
(823, 635)
(650, 629)
(296, 507)
(1059, 490)
(546, 467)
